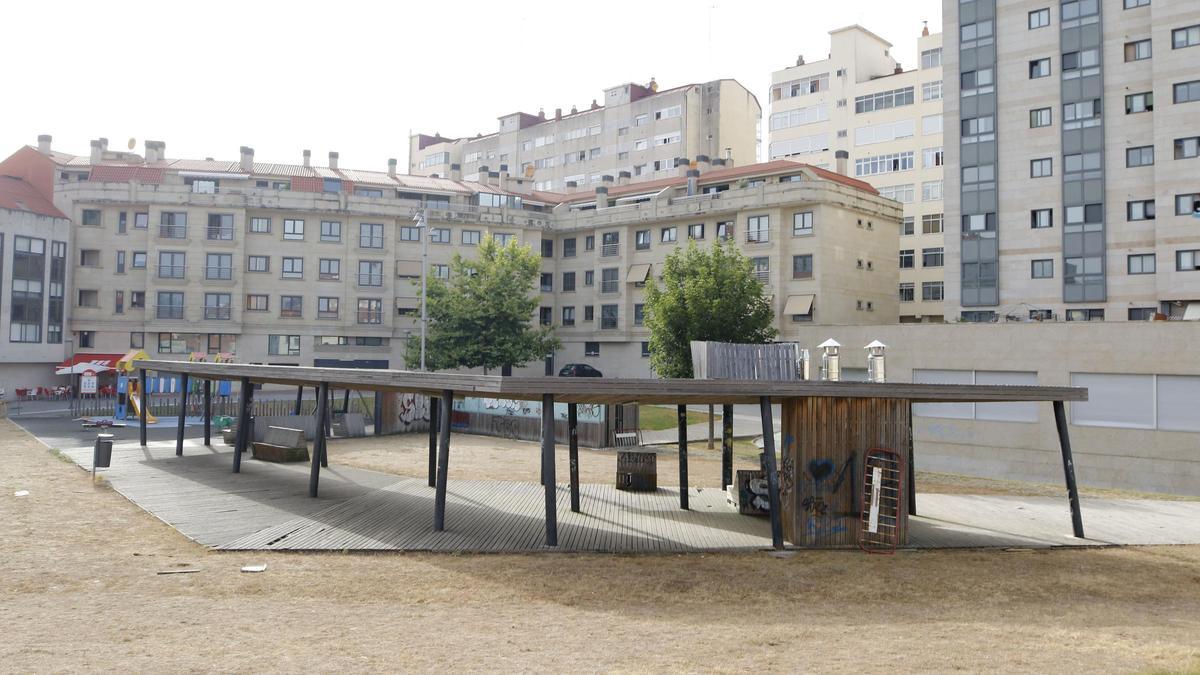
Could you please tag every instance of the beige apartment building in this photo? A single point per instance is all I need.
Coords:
(319, 265)
(637, 130)
(1072, 163)
(860, 100)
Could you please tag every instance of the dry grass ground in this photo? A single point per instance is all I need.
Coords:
(79, 590)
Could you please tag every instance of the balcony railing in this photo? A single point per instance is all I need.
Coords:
(328, 314)
(370, 279)
(171, 271)
(169, 312)
(763, 276)
(220, 233)
(610, 286)
(172, 231)
(609, 250)
(370, 316)
(218, 273)
(329, 276)
(217, 313)
(291, 313)
(757, 237)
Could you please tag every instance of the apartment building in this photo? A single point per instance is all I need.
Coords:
(860, 100)
(638, 129)
(1073, 151)
(318, 265)
(34, 275)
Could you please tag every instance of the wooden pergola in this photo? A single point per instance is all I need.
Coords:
(862, 412)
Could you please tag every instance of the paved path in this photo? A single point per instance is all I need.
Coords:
(266, 507)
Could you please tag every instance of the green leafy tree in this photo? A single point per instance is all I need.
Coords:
(481, 317)
(705, 294)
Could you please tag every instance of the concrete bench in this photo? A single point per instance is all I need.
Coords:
(281, 444)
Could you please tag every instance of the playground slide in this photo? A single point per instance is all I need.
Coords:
(137, 410)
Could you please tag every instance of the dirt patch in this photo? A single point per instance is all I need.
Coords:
(79, 590)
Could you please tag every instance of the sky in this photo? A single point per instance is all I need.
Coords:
(357, 77)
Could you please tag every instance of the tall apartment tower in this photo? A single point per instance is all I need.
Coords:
(886, 122)
(637, 132)
(1073, 145)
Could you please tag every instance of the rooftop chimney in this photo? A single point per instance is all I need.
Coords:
(602, 197)
(842, 158)
(308, 158)
(247, 159)
(623, 177)
(333, 157)
(682, 165)
(493, 178)
(718, 163)
(693, 180)
(594, 104)
(703, 164)
(899, 69)
(541, 113)
(558, 114)
(925, 30)
(503, 177)
(156, 151)
(455, 172)
(97, 152)
(574, 110)
(571, 186)
(44, 141)
(800, 60)
(104, 144)
(728, 158)
(392, 167)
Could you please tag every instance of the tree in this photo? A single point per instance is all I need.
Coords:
(705, 295)
(480, 317)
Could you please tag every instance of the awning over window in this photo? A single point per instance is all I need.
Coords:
(798, 304)
(408, 268)
(102, 361)
(638, 274)
(1192, 313)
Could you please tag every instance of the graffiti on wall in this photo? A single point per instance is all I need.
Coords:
(827, 497)
(587, 412)
(411, 409)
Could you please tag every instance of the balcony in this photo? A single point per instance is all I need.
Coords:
(172, 271)
(218, 273)
(370, 316)
(610, 250)
(763, 276)
(217, 233)
(610, 287)
(172, 231)
(169, 312)
(370, 279)
(217, 313)
(758, 237)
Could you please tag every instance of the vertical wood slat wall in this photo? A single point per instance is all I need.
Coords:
(824, 444)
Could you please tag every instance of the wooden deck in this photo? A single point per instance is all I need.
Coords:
(266, 507)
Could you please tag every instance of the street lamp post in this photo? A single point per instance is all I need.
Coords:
(421, 228)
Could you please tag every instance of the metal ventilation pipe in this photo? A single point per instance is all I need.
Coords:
(876, 372)
(693, 180)
(803, 365)
(831, 369)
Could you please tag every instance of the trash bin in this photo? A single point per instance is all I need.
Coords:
(102, 451)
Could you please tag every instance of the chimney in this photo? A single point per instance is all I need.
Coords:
(44, 141)
(703, 165)
(602, 198)
(557, 114)
(333, 158)
(392, 167)
(800, 60)
(728, 158)
(925, 30)
(595, 106)
(842, 158)
(483, 174)
(493, 178)
(455, 172)
(247, 159)
(682, 166)
(571, 187)
(899, 69)
(693, 180)
(574, 110)
(104, 144)
(308, 158)
(156, 151)
(623, 177)
(503, 177)
(97, 152)
(718, 163)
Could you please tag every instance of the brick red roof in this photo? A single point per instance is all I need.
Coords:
(107, 173)
(17, 195)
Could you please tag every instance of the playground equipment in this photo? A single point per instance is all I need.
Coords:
(132, 396)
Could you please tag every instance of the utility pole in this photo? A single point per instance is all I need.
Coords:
(420, 221)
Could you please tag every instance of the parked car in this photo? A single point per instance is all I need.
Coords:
(579, 370)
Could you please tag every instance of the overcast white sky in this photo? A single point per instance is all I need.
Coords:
(356, 77)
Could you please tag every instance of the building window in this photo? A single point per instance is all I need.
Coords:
(293, 268)
(757, 229)
(931, 291)
(370, 235)
(883, 100)
(120, 262)
(283, 345)
(568, 316)
(218, 266)
(608, 317)
(1039, 18)
(89, 298)
(329, 269)
(931, 58)
(1142, 313)
(258, 303)
(890, 163)
(260, 225)
(931, 257)
(761, 267)
(591, 349)
(332, 185)
(1186, 92)
(696, 231)
(931, 223)
(370, 273)
(641, 240)
(437, 235)
(291, 306)
(1131, 4)
(906, 259)
(931, 191)
(907, 226)
(589, 278)
(1041, 168)
(138, 261)
(1085, 315)
(1139, 103)
(609, 280)
(1141, 263)
(547, 282)
(137, 340)
(802, 223)
(639, 314)
(170, 305)
(137, 299)
(331, 230)
(470, 237)
(932, 157)
(668, 235)
(1187, 148)
(440, 271)
(171, 265)
(410, 233)
(907, 292)
(1041, 269)
(931, 91)
(1137, 50)
(977, 129)
(589, 242)
(217, 306)
(141, 221)
(293, 229)
(1139, 210)
(1039, 117)
(802, 266)
(725, 231)
(645, 349)
(1140, 156)
(220, 227)
(1187, 205)
(503, 238)
(1185, 37)
(1039, 68)
(172, 225)
(91, 217)
(568, 247)
(1187, 261)
(258, 263)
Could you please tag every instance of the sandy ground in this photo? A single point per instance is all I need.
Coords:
(79, 590)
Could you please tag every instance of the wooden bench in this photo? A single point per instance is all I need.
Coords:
(281, 444)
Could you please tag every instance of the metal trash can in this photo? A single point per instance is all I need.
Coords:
(102, 451)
